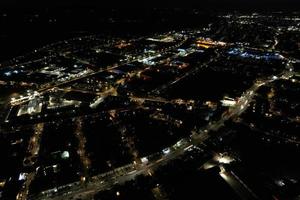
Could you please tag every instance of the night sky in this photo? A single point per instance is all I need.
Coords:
(258, 4)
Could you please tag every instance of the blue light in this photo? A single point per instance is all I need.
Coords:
(7, 73)
(266, 56)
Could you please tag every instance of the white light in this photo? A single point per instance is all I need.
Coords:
(224, 159)
(65, 155)
(280, 183)
(7, 73)
(144, 160)
(166, 150)
(22, 176)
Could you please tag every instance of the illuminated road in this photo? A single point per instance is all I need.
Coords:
(242, 190)
(33, 150)
(85, 161)
(238, 185)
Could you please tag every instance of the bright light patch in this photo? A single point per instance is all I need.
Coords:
(144, 160)
(166, 150)
(65, 155)
(22, 176)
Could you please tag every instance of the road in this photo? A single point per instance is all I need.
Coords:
(231, 179)
(187, 74)
(238, 185)
(33, 150)
(85, 161)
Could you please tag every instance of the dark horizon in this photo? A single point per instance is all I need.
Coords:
(206, 4)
